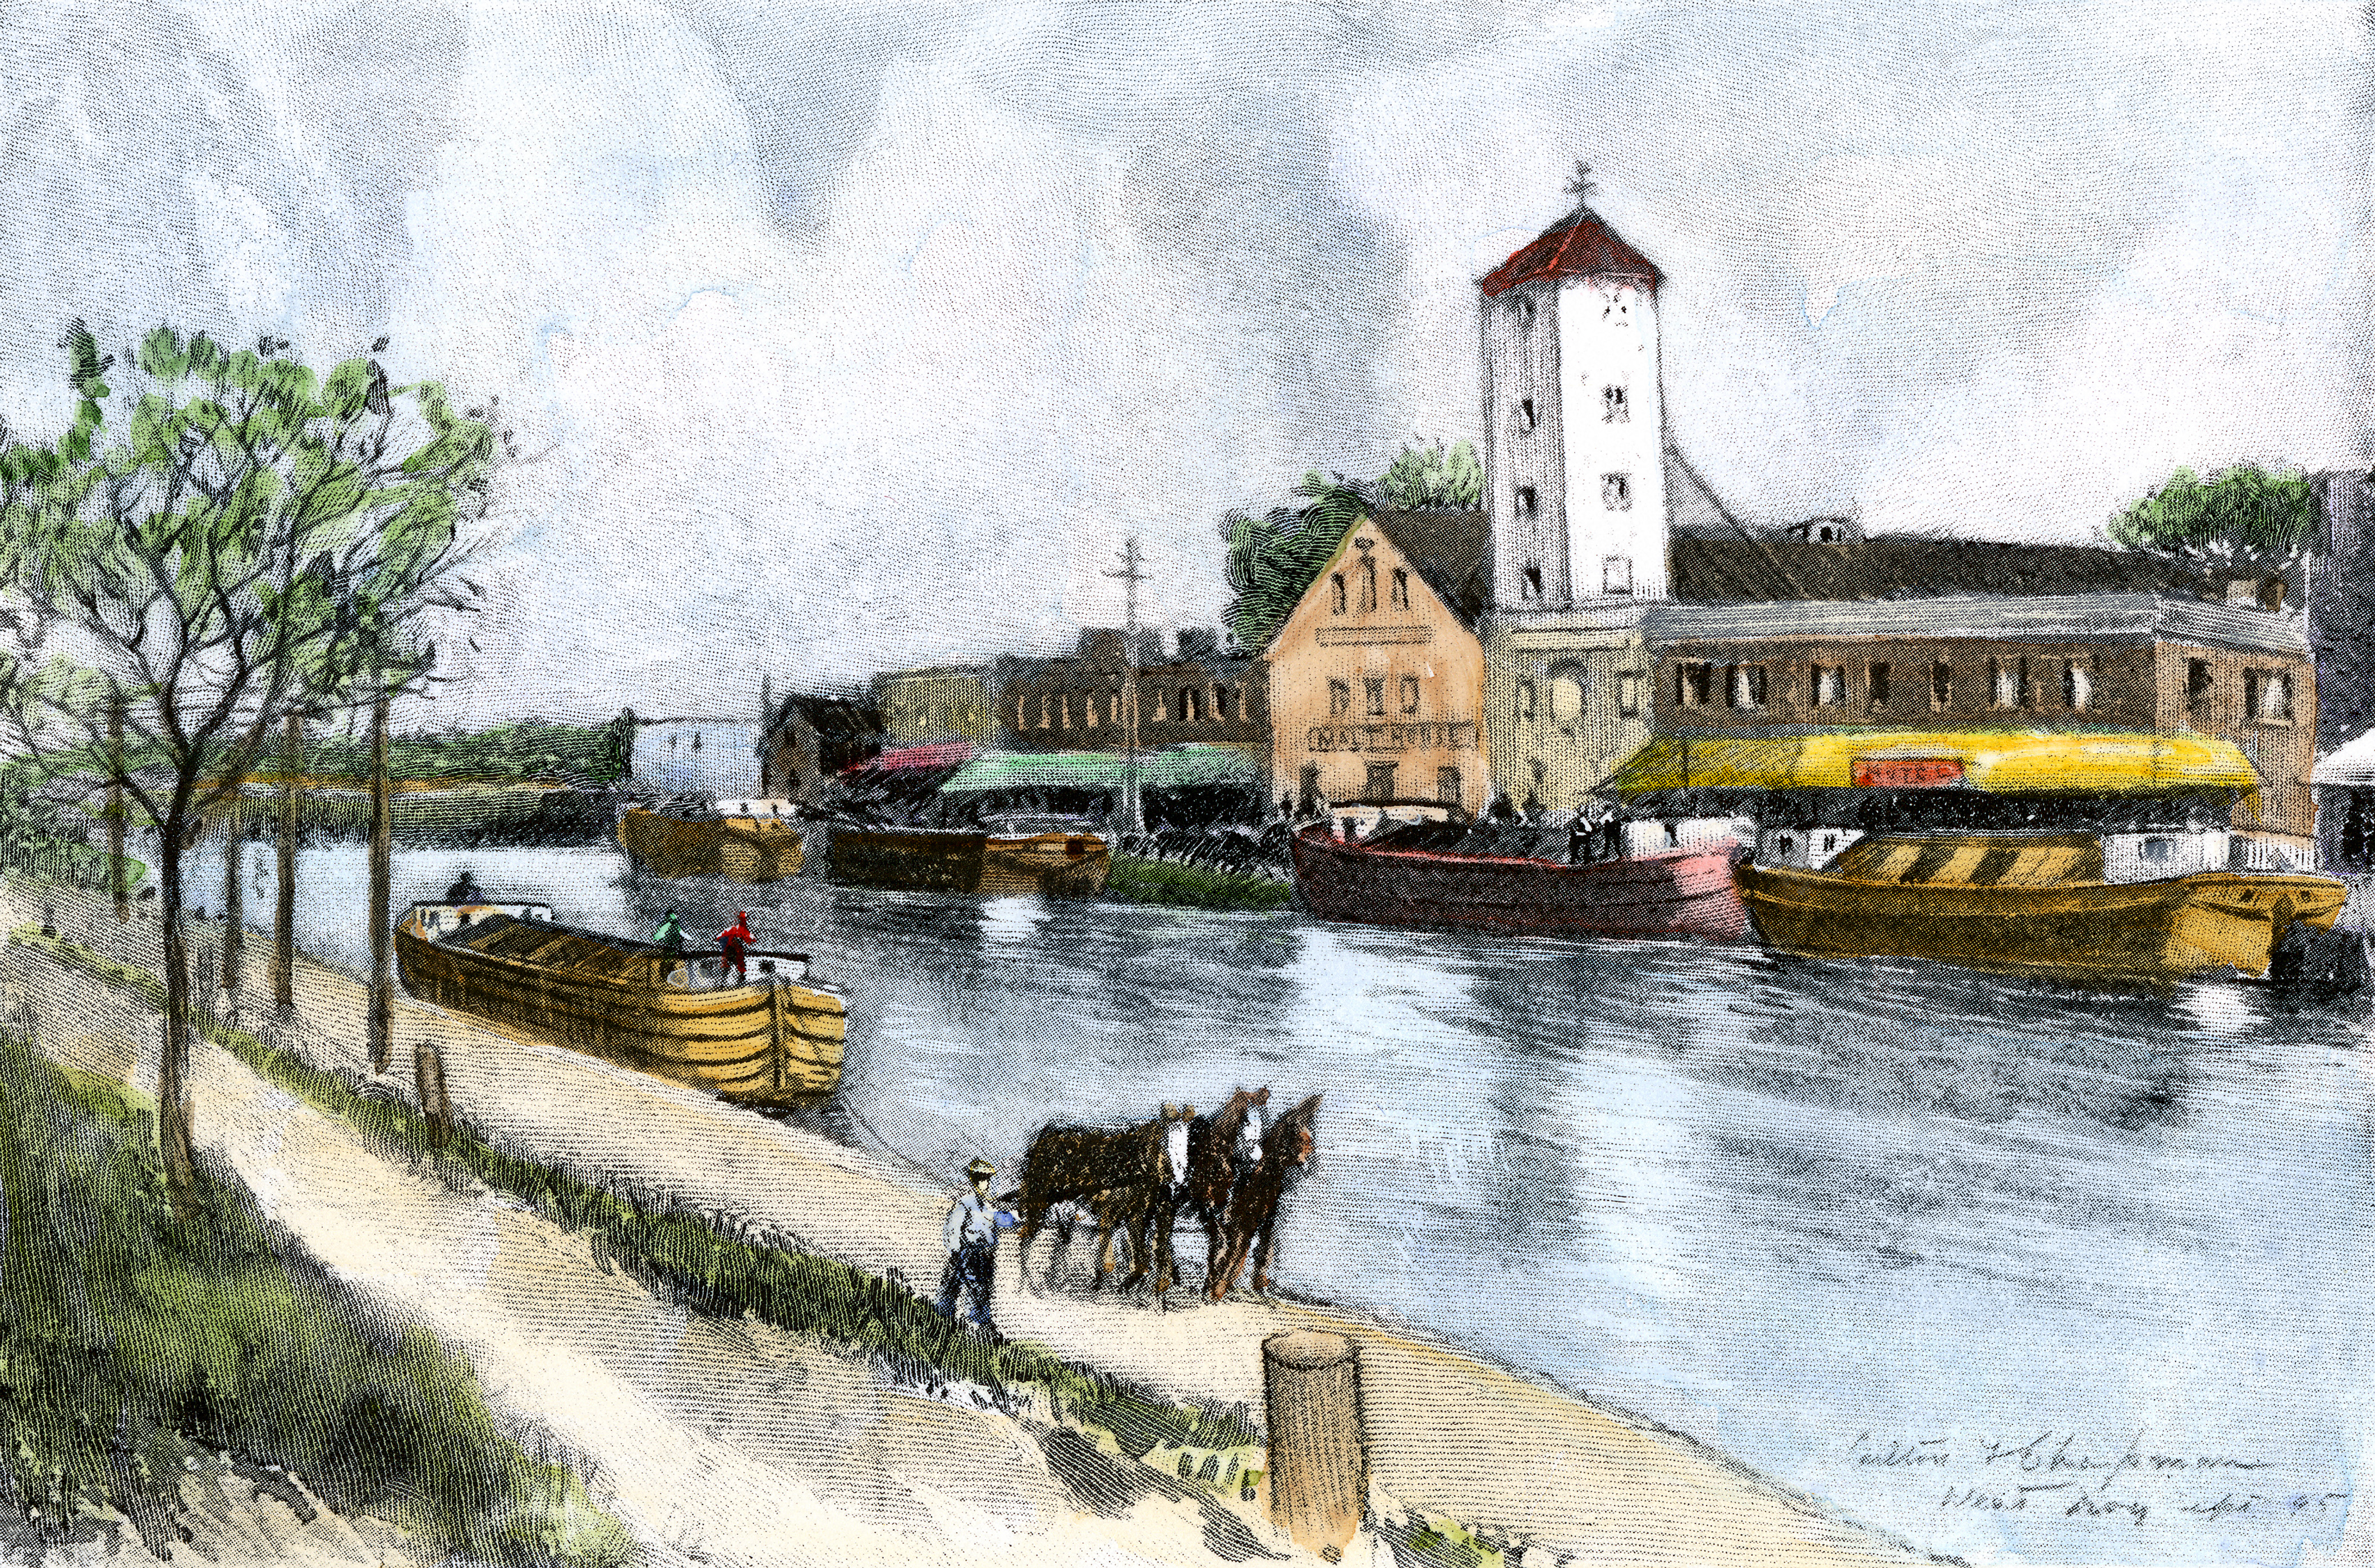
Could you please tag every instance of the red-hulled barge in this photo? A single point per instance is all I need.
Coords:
(1681, 892)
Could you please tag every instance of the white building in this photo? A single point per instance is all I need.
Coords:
(1576, 488)
(717, 757)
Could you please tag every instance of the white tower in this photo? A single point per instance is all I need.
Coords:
(1574, 422)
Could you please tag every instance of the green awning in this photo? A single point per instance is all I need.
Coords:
(1182, 767)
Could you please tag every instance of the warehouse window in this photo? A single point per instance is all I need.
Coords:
(1875, 680)
(1746, 688)
(1942, 687)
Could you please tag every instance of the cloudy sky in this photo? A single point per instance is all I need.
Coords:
(838, 339)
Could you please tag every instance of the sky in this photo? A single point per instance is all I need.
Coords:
(843, 338)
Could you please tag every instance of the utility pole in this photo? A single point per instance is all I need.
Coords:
(1131, 577)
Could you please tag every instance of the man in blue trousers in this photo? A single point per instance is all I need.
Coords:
(970, 1236)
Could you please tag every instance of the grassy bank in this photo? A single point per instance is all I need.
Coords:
(464, 819)
(713, 1263)
(1140, 880)
(133, 1344)
(68, 862)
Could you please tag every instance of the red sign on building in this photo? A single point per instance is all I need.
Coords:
(1904, 772)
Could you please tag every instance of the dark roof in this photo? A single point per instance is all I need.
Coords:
(1579, 245)
(834, 718)
(1906, 566)
(1451, 552)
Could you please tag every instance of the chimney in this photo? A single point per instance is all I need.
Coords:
(1200, 642)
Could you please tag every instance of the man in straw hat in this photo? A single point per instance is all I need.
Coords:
(970, 1236)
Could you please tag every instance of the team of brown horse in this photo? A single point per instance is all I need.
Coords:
(1135, 1181)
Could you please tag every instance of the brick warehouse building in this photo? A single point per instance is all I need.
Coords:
(2131, 662)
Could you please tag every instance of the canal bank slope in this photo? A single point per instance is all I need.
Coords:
(1447, 1433)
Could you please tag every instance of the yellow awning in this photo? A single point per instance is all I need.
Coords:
(2000, 761)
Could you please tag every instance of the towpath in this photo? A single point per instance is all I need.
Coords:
(634, 1384)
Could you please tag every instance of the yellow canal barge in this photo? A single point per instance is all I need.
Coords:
(2084, 853)
(773, 1040)
(745, 841)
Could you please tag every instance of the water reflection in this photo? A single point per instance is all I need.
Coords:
(1771, 1202)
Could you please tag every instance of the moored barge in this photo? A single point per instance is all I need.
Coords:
(1428, 876)
(2086, 853)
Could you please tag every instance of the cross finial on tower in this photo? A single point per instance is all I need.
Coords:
(1580, 187)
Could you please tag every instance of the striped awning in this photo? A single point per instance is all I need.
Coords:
(1182, 767)
(2000, 761)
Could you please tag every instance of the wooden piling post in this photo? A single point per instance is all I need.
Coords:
(284, 912)
(428, 1084)
(380, 1021)
(1318, 1446)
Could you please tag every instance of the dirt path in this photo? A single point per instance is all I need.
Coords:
(714, 1441)
(1446, 1432)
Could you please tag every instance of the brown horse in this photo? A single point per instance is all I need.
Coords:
(1104, 1167)
(1211, 1166)
(1251, 1224)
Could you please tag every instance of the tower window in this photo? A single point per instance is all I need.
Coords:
(1533, 584)
(1525, 414)
(1616, 575)
(1526, 699)
(1629, 693)
(1526, 502)
(1336, 594)
(1615, 409)
(1402, 589)
(1410, 694)
(1616, 492)
(2197, 691)
(1340, 699)
(1368, 585)
(1377, 690)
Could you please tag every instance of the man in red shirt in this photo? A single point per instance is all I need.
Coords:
(733, 943)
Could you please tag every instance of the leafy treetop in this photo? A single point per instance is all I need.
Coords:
(2243, 518)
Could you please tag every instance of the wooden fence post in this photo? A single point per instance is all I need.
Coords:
(1318, 1446)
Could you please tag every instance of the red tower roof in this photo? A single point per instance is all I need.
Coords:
(1579, 245)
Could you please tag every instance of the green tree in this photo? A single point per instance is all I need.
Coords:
(252, 539)
(1273, 558)
(2244, 520)
(1428, 478)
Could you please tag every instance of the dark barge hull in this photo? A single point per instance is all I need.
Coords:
(1678, 893)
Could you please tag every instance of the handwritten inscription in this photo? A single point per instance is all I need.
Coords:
(2060, 1475)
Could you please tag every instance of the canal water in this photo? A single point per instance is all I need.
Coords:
(2018, 1272)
